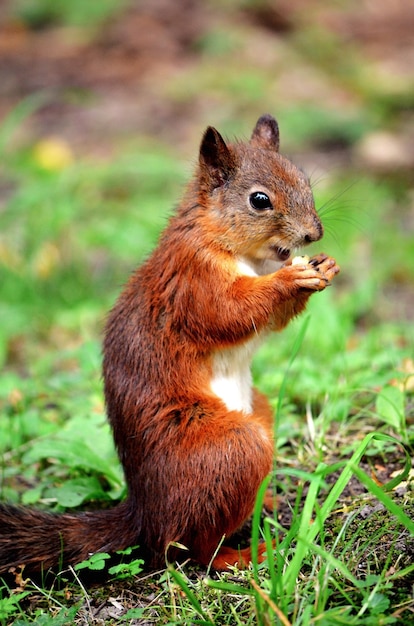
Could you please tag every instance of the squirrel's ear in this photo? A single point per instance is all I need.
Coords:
(266, 133)
(215, 159)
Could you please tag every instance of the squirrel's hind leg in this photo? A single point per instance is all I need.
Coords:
(231, 468)
(203, 484)
(242, 557)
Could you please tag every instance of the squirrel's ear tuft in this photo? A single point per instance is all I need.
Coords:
(266, 133)
(216, 161)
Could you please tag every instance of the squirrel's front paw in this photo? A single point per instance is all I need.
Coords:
(326, 265)
(314, 274)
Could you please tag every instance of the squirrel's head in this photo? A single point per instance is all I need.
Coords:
(260, 205)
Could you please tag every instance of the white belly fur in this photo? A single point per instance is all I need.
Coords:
(259, 267)
(232, 380)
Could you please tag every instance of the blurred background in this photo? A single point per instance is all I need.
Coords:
(102, 107)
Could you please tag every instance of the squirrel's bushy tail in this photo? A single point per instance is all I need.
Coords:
(41, 540)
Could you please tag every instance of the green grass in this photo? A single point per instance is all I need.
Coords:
(38, 14)
(57, 449)
(96, 222)
(339, 378)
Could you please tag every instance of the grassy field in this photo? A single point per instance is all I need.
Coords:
(340, 378)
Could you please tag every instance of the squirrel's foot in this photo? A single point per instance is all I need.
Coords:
(271, 501)
(230, 556)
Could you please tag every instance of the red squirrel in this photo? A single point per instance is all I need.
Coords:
(194, 437)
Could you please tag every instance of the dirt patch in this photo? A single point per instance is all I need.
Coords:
(108, 83)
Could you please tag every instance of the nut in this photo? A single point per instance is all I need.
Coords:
(300, 260)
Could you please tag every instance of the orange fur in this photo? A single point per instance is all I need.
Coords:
(177, 343)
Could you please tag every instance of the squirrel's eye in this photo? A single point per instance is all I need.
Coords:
(260, 201)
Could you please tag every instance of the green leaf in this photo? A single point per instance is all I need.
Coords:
(31, 496)
(74, 453)
(9, 605)
(76, 491)
(390, 406)
(95, 562)
(136, 613)
(379, 603)
(126, 570)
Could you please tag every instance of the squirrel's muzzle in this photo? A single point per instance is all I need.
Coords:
(313, 231)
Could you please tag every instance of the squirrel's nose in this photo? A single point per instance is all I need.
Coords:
(314, 232)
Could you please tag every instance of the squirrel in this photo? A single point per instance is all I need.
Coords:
(195, 438)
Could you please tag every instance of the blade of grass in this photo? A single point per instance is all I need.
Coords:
(267, 599)
(385, 499)
(181, 582)
(293, 569)
(295, 349)
(222, 585)
(256, 526)
(274, 559)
